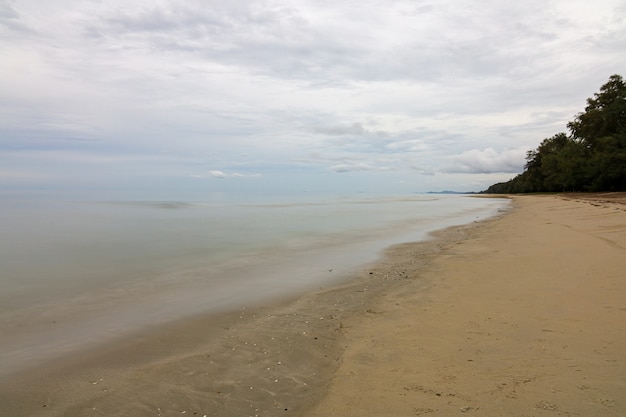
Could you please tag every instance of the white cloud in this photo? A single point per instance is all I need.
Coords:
(221, 175)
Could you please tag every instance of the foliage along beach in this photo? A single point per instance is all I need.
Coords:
(591, 158)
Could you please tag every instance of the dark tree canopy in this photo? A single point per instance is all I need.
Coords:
(591, 158)
(605, 114)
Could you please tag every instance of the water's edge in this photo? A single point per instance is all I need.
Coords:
(302, 334)
(79, 323)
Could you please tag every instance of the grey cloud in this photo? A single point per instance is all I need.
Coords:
(358, 139)
(286, 43)
(6, 11)
(487, 161)
(350, 162)
(11, 20)
(395, 85)
(424, 170)
(252, 35)
(340, 130)
(538, 124)
(422, 140)
(13, 176)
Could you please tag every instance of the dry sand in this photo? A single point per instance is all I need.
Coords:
(523, 315)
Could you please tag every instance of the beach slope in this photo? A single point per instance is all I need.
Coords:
(520, 315)
(524, 317)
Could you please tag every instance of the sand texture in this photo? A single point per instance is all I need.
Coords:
(522, 315)
(526, 317)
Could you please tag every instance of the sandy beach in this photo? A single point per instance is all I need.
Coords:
(520, 315)
(526, 316)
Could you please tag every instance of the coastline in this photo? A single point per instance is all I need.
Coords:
(279, 355)
(407, 335)
(525, 317)
(123, 267)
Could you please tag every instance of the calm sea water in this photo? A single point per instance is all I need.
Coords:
(75, 274)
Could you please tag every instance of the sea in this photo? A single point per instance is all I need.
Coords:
(76, 274)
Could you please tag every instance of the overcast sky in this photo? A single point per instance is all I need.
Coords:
(165, 98)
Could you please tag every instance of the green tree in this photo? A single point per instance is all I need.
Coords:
(562, 164)
(601, 128)
(607, 164)
(604, 116)
(592, 158)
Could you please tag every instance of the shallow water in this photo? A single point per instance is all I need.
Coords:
(80, 273)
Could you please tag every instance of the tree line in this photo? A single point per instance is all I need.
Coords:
(591, 158)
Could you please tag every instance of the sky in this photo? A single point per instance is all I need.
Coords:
(182, 99)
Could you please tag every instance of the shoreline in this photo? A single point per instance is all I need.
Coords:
(286, 350)
(526, 317)
(406, 335)
(94, 295)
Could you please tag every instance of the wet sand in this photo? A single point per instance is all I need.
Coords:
(521, 315)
